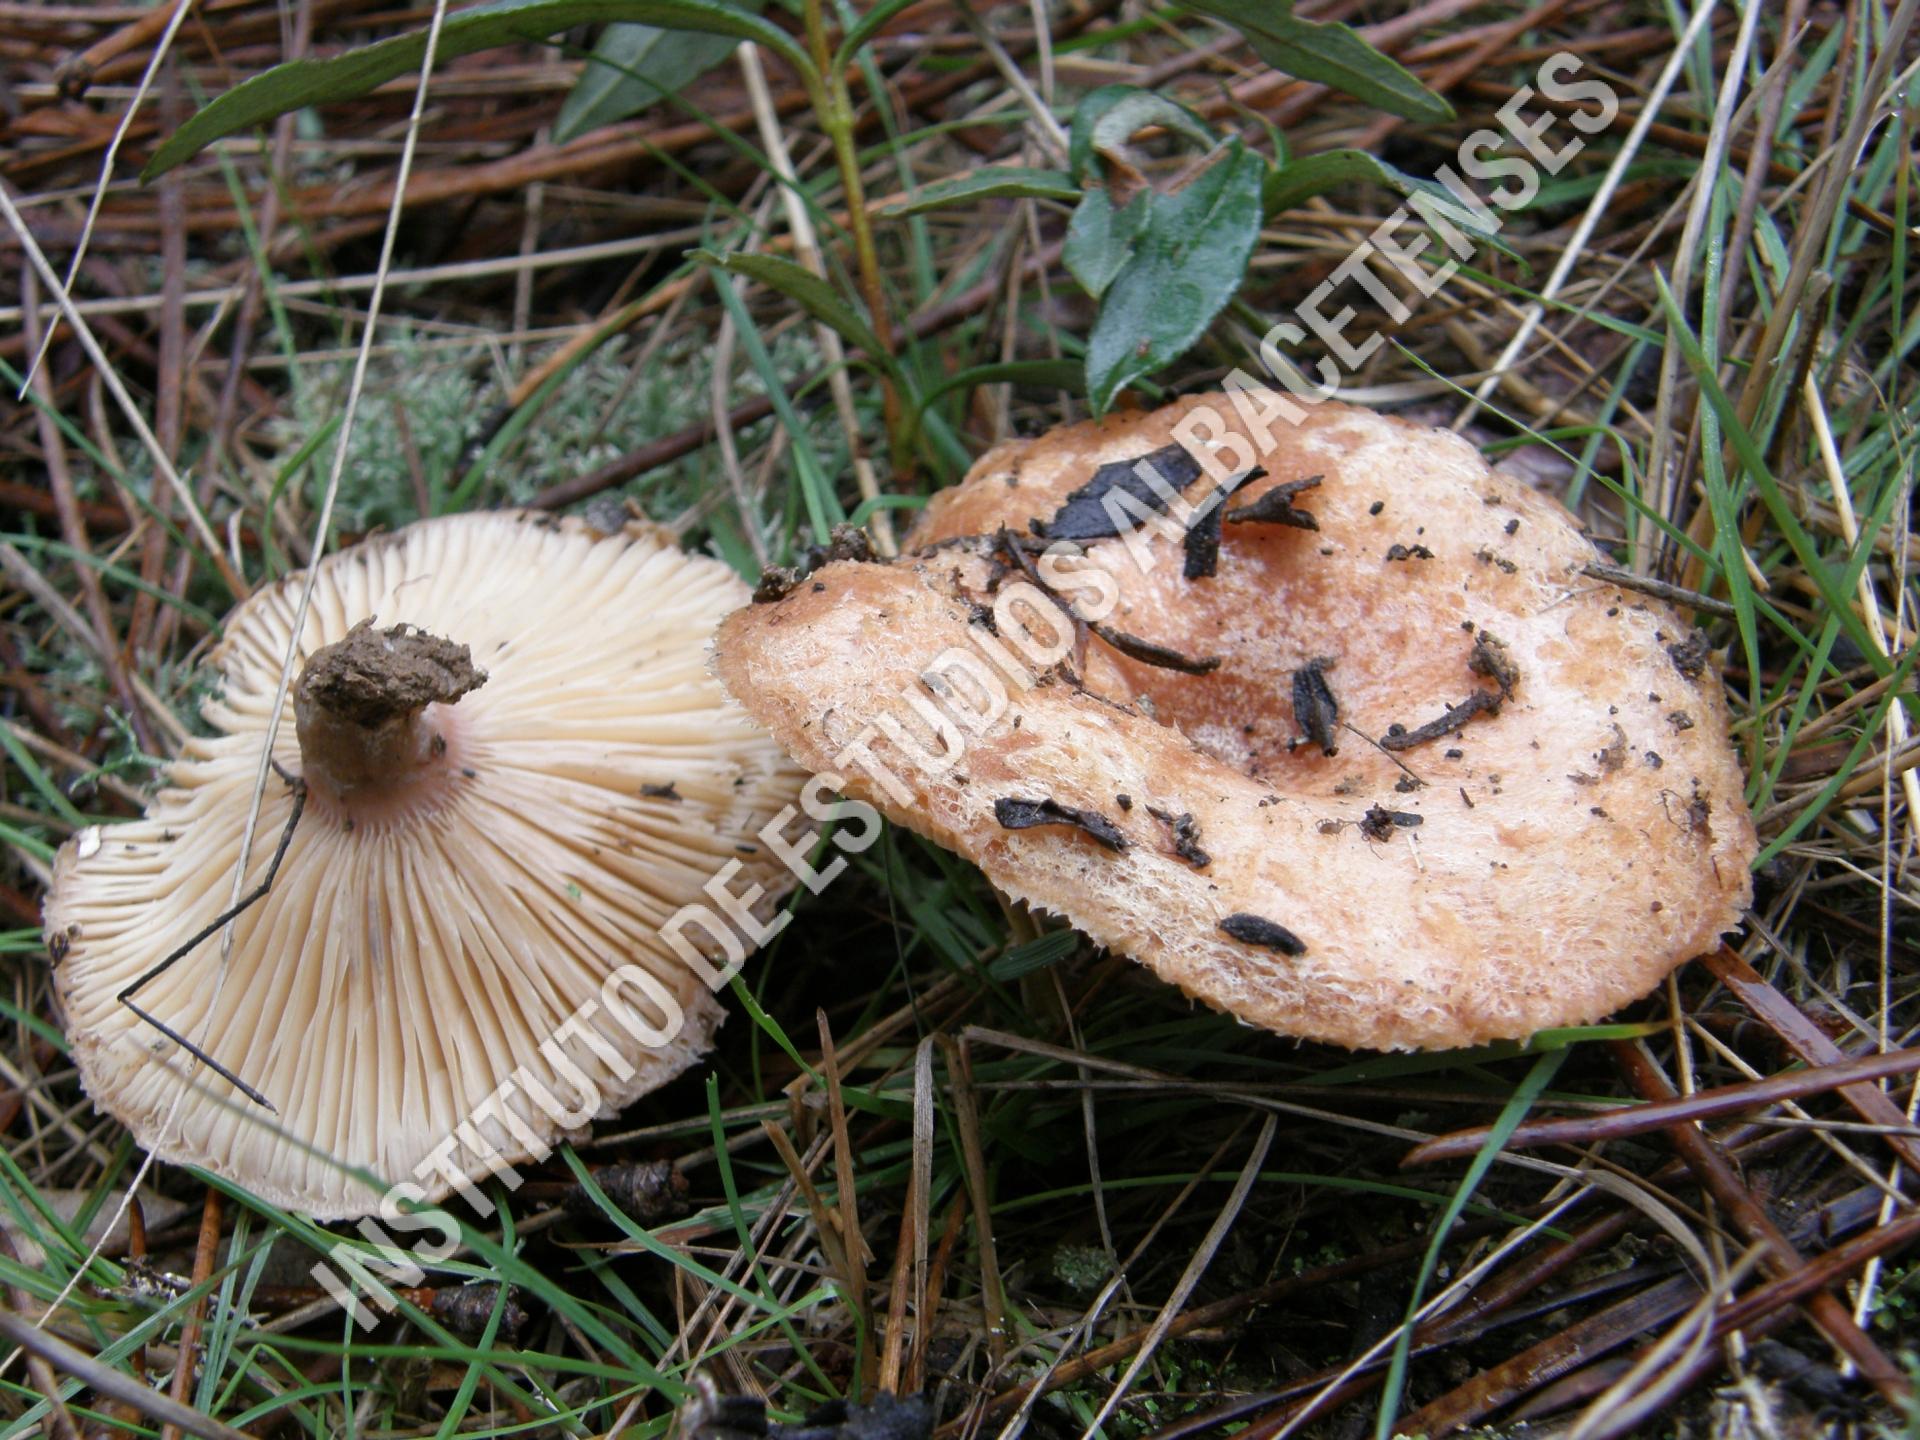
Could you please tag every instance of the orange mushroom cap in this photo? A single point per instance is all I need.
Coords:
(1415, 780)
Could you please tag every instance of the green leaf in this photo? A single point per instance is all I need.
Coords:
(1100, 240)
(634, 65)
(1049, 949)
(1331, 54)
(998, 182)
(804, 288)
(1316, 174)
(302, 83)
(1105, 119)
(1185, 268)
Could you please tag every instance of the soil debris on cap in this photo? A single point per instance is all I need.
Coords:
(1409, 552)
(1186, 836)
(1491, 659)
(1089, 514)
(847, 542)
(1276, 507)
(1486, 556)
(1689, 656)
(1613, 754)
(1016, 813)
(1270, 934)
(1379, 822)
(1315, 710)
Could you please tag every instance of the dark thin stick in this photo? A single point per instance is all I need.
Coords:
(1717, 1176)
(1809, 1042)
(1011, 543)
(1148, 653)
(1349, 725)
(125, 997)
(1132, 646)
(114, 1384)
(1659, 589)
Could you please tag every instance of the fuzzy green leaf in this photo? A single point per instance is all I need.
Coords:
(302, 83)
(1185, 267)
(1100, 240)
(1107, 117)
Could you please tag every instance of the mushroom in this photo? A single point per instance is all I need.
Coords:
(510, 782)
(1357, 753)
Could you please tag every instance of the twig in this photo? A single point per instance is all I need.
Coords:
(114, 1384)
(1659, 589)
(1782, 1258)
(203, 1260)
(1656, 1115)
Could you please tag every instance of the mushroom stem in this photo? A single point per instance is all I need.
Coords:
(360, 706)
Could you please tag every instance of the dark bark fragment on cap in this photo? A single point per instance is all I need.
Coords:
(1489, 658)
(1092, 511)
(1202, 542)
(1270, 934)
(1015, 813)
(1315, 710)
(1276, 507)
(1480, 702)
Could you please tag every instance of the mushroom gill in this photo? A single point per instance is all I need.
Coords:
(474, 861)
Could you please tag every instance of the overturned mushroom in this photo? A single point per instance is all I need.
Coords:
(1499, 898)
(510, 780)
